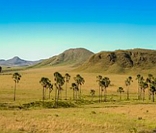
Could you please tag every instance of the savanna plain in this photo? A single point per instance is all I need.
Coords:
(86, 115)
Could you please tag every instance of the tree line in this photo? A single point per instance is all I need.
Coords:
(59, 81)
(144, 85)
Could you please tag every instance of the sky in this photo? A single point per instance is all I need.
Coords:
(39, 29)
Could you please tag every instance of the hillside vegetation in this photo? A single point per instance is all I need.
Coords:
(121, 61)
(72, 57)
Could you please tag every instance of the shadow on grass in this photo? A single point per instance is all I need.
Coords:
(38, 104)
(69, 104)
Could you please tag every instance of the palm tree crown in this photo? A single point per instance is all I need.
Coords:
(16, 77)
(46, 83)
(67, 78)
(59, 82)
(79, 81)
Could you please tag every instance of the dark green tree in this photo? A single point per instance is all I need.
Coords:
(153, 89)
(16, 77)
(138, 79)
(103, 85)
(120, 90)
(67, 78)
(143, 86)
(75, 89)
(46, 83)
(92, 93)
(128, 83)
(50, 88)
(59, 82)
(99, 79)
(149, 80)
(79, 81)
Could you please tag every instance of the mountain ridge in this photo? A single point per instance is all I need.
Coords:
(120, 61)
(16, 61)
(73, 56)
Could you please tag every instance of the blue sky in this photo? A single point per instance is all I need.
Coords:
(36, 29)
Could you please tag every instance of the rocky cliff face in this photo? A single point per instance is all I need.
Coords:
(121, 59)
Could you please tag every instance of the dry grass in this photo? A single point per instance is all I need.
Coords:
(111, 117)
(103, 119)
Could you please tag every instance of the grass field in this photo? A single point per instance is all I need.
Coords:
(113, 116)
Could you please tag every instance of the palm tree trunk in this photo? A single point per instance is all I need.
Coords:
(92, 97)
(66, 92)
(15, 92)
(143, 95)
(149, 94)
(55, 95)
(99, 94)
(49, 93)
(120, 96)
(73, 94)
(76, 95)
(105, 95)
(138, 92)
(43, 94)
(60, 94)
(127, 93)
(152, 96)
(80, 92)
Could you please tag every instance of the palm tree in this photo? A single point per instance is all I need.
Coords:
(106, 82)
(92, 92)
(138, 79)
(149, 80)
(99, 79)
(46, 83)
(67, 78)
(128, 83)
(103, 84)
(153, 89)
(59, 82)
(143, 86)
(75, 89)
(79, 81)
(16, 77)
(50, 87)
(120, 90)
(141, 81)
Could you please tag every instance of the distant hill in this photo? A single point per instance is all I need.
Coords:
(16, 61)
(72, 57)
(121, 61)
